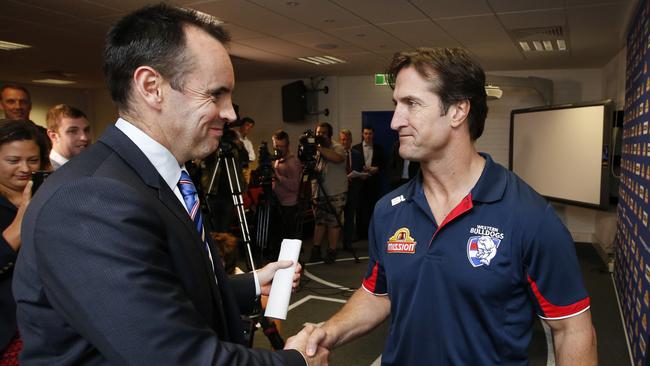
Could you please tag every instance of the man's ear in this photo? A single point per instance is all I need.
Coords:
(51, 134)
(147, 86)
(460, 112)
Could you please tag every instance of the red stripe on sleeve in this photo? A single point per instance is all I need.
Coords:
(557, 311)
(370, 283)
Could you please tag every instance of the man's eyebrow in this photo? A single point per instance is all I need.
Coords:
(219, 90)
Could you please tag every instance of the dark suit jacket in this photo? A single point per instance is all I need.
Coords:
(113, 271)
(7, 260)
(396, 166)
(371, 186)
(354, 185)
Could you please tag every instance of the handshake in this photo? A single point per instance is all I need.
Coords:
(313, 343)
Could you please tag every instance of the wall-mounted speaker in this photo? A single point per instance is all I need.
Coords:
(294, 101)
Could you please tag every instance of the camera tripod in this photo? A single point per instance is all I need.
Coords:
(309, 173)
(226, 158)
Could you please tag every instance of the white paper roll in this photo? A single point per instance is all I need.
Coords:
(280, 293)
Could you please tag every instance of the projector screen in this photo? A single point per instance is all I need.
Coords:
(563, 151)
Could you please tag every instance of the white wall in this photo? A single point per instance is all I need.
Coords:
(614, 80)
(569, 85)
(95, 103)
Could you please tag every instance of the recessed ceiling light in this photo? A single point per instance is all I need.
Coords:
(524, 46)
(9, 46)
(322, 60)
(54, 81)
(548, 46)
(538, 46)
(561, 45)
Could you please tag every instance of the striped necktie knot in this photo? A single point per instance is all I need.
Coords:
(191, 198)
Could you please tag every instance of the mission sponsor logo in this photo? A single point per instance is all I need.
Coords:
(401, 242)
(482, 247)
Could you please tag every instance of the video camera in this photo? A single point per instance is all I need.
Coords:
(264, 172)
(307, 147)
(227, 142)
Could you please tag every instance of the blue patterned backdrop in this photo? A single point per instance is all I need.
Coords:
(632, 262)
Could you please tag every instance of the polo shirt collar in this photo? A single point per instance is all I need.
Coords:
(492, 183)
(490, 186)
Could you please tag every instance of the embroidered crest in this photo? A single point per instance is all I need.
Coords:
(401, 242)
(481, 250)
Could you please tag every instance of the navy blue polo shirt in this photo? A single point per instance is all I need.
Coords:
(465, 292)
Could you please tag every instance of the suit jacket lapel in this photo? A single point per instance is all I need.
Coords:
(136, 159)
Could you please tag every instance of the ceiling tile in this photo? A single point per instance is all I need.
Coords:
(280, 47)
(321, 41)
(452, 8)
(533, 19)
(370, 38)
(383, 11)
(422, 33)
(238, 32)
(502, 6)
(252, 16)
(318, 14)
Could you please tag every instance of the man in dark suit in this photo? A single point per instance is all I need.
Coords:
(354, 162)
(400, 171)
(115, 267)
(373, 164)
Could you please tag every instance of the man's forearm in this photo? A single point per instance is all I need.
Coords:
(331, 154)
(362, 313)
(575, 340)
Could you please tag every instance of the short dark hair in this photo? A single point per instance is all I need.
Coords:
(22, 130)
(247, 120)
(328, 126)
(454, 77)
(281, 135)
(58, 112)
(154, 36)
(14, 86)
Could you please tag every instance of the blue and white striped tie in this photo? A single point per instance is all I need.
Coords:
(193, 205)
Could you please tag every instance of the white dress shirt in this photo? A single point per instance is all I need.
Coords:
(165, 163)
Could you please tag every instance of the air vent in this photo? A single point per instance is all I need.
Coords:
(542, 39)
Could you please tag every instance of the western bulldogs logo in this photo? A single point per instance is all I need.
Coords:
(481, 250)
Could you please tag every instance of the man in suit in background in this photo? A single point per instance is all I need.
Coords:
(354, 162)
(128, 277)
(373, 164)
(400, 171)
(69, 131)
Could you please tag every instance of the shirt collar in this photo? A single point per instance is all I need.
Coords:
(54, 155)
(492, 183)
(490, 186)
(159, 156)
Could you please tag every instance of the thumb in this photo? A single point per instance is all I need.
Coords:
(313, 341)
(27, 192)
(283, 264)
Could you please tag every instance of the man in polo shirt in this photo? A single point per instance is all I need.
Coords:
(465, 254)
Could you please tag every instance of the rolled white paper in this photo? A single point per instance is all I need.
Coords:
(280, 294)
